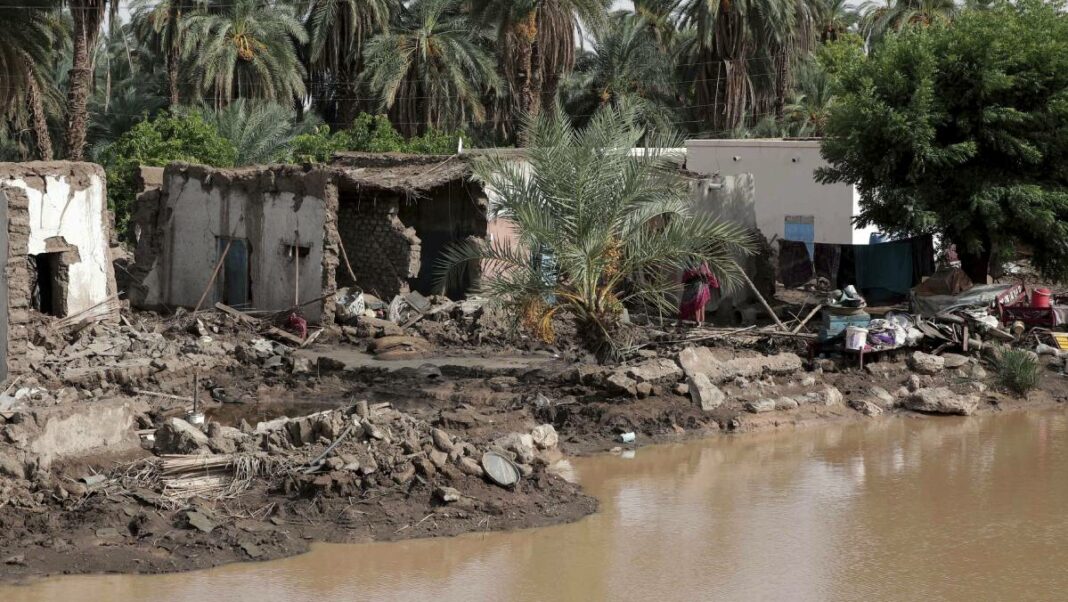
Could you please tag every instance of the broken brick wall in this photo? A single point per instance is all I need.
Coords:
(441, 218)
(383, 251)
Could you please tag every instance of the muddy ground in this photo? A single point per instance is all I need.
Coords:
(51, 524)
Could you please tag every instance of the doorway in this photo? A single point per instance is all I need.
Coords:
(49, 286)
(235, 289)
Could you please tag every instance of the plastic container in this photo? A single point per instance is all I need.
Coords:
(1040, 297)
(856, 337)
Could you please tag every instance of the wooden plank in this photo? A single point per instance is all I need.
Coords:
(285, 336)
(236, 313)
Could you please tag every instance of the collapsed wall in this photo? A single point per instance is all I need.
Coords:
(383, 251)
(262, 237)
(56, 246)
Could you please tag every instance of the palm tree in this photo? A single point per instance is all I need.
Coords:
(27, 37)
(88, 17)
(159, 22)
(430, 70)
(339, 31)
(244, 48)
(617, 223)
(812, 100)
(537, 44)
(742, 53)
(834, 18)
(260, 131)
(879, 18)
(626, 67)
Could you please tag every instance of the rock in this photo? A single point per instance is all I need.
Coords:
(682, 389)
(831, 396)
(177, 436)
(442, 440)
(448, 494)
(303, 365)
(199, 521)
(914, 383)
(545, 436)
(881, 396)
(519, 443)
(865, 407)
(697, 360)
(251, 549)
(17, 559)
(901, 392)
(884, 369)
(659, 370)
(11, 467)
(470, 466)
(108, 533)
(760, 406)
(438, 458)
(976, 386)
(785, 403)
(978, 372)
(826, 364)
(808, 381)
(643, 389)
(704, 393)
(954, 360)
(925, 363)
(942, 400)
(621, 384)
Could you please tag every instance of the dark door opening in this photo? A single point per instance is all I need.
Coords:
(236, 290)
(49, 294)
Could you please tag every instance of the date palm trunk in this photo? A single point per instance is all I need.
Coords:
(37, 114)
(88, 16)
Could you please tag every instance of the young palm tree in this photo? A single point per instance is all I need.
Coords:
(27, 36)
(430, 70)
(245, 48)
(626, 66)
(619, 223)
(537, 44)
(338, 31)
(260, 131)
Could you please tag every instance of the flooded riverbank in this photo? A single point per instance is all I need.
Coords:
(899, 509)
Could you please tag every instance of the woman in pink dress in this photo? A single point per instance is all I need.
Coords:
(697, 285)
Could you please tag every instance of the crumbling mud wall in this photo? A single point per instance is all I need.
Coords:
(383, 251)
(57, 208)
(271, 211)
(442, 217)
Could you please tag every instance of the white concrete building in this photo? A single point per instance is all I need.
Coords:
(771, 185)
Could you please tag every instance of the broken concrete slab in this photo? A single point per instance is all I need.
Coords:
(660, 370)
(699, 360)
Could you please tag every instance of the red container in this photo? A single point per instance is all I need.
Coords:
(1040, 297)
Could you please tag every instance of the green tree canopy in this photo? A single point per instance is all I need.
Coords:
(157, 142)
(963, 130)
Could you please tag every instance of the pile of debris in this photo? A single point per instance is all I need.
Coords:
(332, 453)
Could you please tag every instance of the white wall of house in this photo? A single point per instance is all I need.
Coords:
(783, 184)
(78, 214)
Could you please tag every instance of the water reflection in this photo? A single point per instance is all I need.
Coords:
(902, 509)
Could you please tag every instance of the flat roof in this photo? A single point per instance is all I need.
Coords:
(755, 143)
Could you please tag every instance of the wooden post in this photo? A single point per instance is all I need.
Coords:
(196, 391)
(214, 275)
(345, 256)
(807, 318)
(296, 269)
(762, 300)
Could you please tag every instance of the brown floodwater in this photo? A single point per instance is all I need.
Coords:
(900, 509)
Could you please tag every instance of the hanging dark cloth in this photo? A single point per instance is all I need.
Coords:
(795, 266)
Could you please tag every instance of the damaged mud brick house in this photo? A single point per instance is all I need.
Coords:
(276, 236)
(56, 246)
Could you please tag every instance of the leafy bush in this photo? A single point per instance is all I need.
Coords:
(1017, 370)
(368, 133)
(157, 142)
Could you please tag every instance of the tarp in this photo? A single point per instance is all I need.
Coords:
(977, 296)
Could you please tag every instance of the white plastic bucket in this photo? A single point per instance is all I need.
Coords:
(856, 338)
